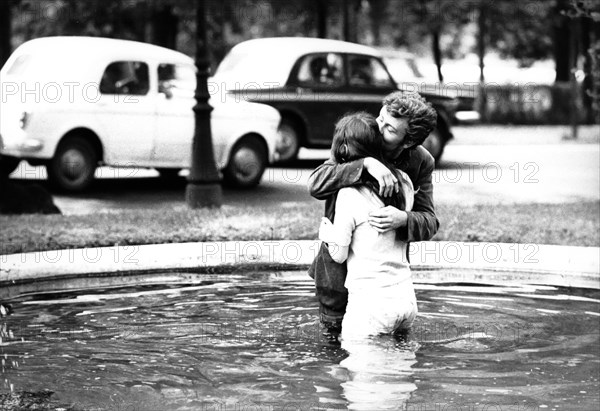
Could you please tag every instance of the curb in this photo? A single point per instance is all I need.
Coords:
(432, 261)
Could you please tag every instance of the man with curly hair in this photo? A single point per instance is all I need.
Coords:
(405, 121)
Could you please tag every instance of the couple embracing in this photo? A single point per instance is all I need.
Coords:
(379, 197)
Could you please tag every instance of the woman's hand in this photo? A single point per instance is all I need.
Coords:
(388, 183)
(387, 218)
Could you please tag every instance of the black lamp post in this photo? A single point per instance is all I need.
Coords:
(204, 187)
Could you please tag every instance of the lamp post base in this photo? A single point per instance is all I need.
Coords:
(203, 195)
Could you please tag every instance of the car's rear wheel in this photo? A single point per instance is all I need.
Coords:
(435, 144)
(8, 164)
(73, 166)
(288, 143)
(247, 163)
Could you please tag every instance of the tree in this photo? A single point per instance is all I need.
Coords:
(561, 28)
(520, 29)
(164, 26)
(377, 14)
(321, 11)
(588, 12)
(5, 31)
(413, 22)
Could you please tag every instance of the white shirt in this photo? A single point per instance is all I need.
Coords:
(374, 259)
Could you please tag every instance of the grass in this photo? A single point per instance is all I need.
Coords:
(564, 224)
(576, 224)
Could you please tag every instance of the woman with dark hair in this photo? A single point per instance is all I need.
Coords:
(357, 136)
(381, 297)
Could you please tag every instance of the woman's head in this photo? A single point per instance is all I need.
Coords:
(356, 136)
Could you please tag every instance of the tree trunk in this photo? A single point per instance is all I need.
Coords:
(561, 41)
(481, 38)
(165, 24)
(573, 55)
(148, 13)
(5, 31)
(437, 52)
(321, 19)
(346, 14)
(586, 32)
(377, 17)
(118, 20)
(354, 13)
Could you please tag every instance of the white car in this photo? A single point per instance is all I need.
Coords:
(73, 103)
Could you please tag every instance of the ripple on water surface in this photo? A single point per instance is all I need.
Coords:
(192, 341)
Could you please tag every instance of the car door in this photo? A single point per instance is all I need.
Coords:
(174, 115)
(126, 113)
(368, 81)
(321, 97)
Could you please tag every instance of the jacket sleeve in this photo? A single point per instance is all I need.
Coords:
(344, 225)
(330, 177)
(422, 222)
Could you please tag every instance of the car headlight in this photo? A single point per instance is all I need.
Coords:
(24, 119)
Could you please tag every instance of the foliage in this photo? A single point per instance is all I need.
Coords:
(521, 30)
(517, 30)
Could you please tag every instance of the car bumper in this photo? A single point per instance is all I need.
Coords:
(465, 117)
(17, 144)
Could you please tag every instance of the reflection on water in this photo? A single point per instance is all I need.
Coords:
(251, 342)
(379, 374)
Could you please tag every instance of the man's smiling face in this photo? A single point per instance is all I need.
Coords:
(392, 129)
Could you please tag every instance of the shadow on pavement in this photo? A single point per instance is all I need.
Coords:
(460, 165)
(159, 193)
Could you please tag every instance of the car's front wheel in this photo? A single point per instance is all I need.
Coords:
(247, 163)
(435, 144)
(73, 166)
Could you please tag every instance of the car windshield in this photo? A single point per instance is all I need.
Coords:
(47, 63)
(245, 67)
(20, 65)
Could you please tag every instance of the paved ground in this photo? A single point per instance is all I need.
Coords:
(482, 165)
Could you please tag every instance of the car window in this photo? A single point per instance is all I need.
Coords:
(125, 77)
(324, 69)
(367, 71)
(176, 80)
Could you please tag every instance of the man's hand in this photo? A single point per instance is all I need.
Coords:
(388, 183)
(387, 218)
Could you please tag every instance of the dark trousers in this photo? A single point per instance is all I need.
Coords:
(331, 293)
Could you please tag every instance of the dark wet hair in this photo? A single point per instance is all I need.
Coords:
(357, 136)
(421, 116)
